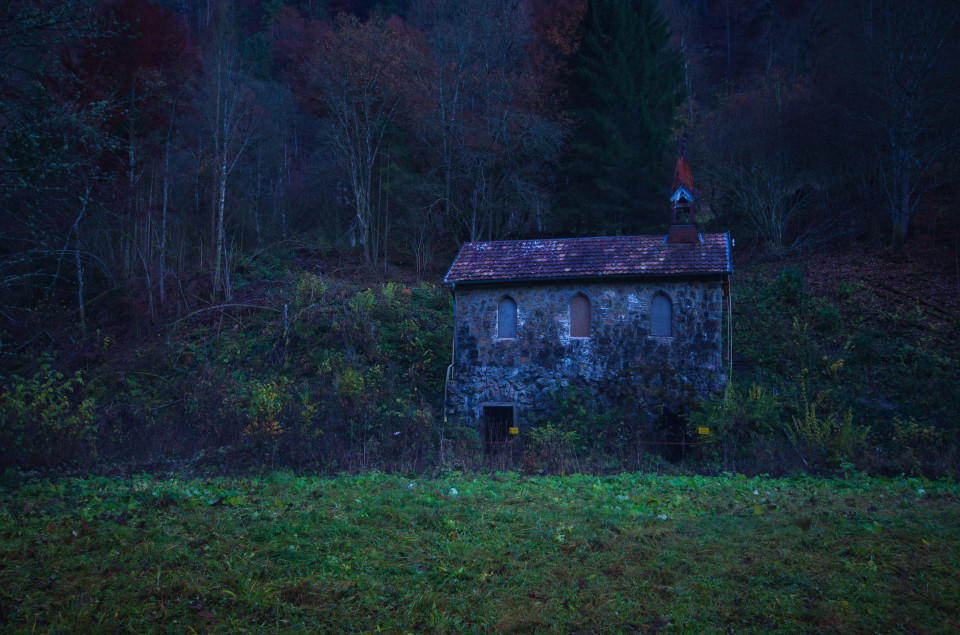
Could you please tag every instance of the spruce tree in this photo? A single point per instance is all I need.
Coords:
(627, 86)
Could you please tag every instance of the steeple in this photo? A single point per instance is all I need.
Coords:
(683, 226)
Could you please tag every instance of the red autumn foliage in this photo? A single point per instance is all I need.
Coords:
(294, 38)
(145, 63)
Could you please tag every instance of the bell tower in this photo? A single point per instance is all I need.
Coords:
(683, 224)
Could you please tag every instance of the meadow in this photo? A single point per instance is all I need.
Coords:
(496, 552)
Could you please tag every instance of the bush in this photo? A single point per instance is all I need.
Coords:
(258, 404)
(916, 447)
(310, 289)
(788, 287)
(827, 438)
(736, 421)
(554, 448)
(826, 318)
(43, 420)
(582, 430)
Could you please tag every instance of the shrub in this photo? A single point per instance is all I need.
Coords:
(362, 303)
(788, 287)
(595, 430)
(826, 318)
(43, 420)
(824, 436)
(258, 404)
(915, 446)
(582, 430)
(743, 414)
(554, 448)
(310, 288)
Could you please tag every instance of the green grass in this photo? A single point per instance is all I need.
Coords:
(472, 553)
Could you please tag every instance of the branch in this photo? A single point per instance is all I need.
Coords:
(220, 307)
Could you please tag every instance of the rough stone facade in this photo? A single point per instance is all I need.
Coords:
(619, 353)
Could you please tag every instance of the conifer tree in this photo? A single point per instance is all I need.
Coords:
(627, 87)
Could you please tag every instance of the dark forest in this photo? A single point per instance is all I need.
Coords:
(223, 222)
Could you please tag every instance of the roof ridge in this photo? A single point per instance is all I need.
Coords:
(526, 240)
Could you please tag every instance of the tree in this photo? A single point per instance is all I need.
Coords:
(911, 91)
(139, 71)
(362, 74)
(49, 146)
(627, 87)
(31, 34)
(232, 115)
(490, 128)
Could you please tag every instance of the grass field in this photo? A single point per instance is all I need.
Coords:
(463, 553)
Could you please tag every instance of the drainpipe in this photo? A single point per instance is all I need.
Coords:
(453, 353)
(729, 292)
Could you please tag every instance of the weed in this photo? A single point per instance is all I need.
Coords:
(819, 432)
(734, 422)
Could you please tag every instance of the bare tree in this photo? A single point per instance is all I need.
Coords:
(231, 116)
(363, 73)
(161, 260)
(909, 77)
(772, 202)
(487, 128)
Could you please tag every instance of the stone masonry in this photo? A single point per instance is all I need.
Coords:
(620, 350)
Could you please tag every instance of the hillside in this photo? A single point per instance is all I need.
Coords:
(855, 355)
(318, 364)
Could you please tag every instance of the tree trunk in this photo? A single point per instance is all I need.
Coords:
(163, 213)
(220, 205)
(79, 264)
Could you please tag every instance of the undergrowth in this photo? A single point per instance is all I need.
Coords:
(320, 373)
(836, 377)
(327, 373)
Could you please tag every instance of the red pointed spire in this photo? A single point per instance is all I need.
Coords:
(682, 176)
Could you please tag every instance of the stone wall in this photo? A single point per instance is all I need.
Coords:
(619, 354)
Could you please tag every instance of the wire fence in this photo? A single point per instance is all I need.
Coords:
(510, 453)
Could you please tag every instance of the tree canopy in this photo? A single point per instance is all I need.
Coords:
(627, 86)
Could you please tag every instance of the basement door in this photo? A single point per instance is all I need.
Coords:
(495, 423)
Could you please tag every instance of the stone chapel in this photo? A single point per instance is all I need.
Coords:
(608, 313)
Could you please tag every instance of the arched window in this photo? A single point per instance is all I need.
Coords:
(661, 316)
(579, 316)
(507, 318)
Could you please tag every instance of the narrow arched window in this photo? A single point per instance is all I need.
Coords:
(507, 318)
(661, 316)
(579, 316)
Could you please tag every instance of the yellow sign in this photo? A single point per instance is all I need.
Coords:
(514, 430)
(703, 430)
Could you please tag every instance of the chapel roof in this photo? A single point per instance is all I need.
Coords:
(595, 257)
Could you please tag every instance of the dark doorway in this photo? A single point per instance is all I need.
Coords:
(495, 424)
(673, 432)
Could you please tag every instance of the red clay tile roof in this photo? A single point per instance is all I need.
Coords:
(619, 256)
